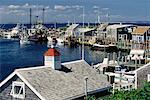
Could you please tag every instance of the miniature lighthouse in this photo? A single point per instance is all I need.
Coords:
(52, 58)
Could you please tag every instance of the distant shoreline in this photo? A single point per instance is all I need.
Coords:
(58, 25)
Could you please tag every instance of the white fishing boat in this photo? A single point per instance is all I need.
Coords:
(24, 40)
(24, 37)
(6, 35)
(14, 33)
(60, 41)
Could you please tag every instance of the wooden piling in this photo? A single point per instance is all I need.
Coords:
(113, 88)
(125, 59)
(118, 60)
(122, 59)
(114, 57)
(135, 63)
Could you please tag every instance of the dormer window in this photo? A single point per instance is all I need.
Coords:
(18, 90)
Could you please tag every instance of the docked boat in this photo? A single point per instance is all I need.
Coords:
(14, 33)
(37, 33)
(60, 41)
(107, 48)
(51, 41)
(24, 38)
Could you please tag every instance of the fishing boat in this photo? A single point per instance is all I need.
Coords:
(51, 41)
(107, 48)
(38, 33)
(14, 33)
(24, 37)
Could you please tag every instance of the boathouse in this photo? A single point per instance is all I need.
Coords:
(72, 30)
(119, 32)
(89, 35)
(54, 80)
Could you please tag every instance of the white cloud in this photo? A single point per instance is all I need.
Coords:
(60, 7)
(25, 6)
(95, 7)
(13, 6)
(105, 8)
(47, 7)
(77, 7)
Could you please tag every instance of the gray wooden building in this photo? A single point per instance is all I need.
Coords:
(46, 83)
(142, 75)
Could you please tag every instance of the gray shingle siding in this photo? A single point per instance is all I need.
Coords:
(6, 89)
(142, 76)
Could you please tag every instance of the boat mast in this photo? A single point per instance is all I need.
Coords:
(43, 14)
(30, 17)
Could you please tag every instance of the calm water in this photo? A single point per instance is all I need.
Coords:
(13, 55)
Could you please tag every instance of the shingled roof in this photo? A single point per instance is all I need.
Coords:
(52, 84)
(140, 30)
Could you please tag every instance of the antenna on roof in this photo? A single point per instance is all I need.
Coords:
(83, 37)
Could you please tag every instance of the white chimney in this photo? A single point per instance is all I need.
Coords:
(52, 59)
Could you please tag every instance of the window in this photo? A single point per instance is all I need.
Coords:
(18, 90)
(148, 77)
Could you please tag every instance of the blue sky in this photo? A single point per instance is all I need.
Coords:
(13, 11)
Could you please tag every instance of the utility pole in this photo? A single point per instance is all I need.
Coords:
(83, 37)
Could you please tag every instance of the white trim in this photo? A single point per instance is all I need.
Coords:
(30, 86)
(31, 68)
(19, 95)
(146, 65)
(8, 78)
(23, 79)
(71, 62)
(135, 81)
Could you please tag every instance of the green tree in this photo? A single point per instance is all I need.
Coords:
(138, 94)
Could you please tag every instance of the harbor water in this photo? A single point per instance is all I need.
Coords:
(13, 55)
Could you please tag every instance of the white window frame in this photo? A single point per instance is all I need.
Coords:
(20, 84)
(148, 78)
